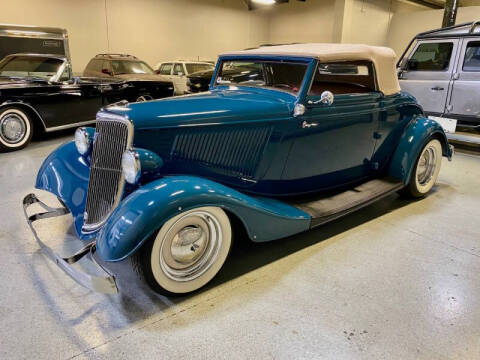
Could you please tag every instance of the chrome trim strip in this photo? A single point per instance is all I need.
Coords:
(105, 284)
(68, 126)
(105, 116)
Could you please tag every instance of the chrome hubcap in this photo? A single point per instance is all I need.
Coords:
(426, 165)
(12, 128)
(190, 246)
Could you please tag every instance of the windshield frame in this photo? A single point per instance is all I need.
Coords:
(54, 78)
(307, 61)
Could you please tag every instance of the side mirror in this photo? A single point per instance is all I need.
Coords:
(180, 74)
(106, 71)
(326, 98)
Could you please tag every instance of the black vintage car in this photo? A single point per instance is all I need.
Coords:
(200, 81)
(38, 93)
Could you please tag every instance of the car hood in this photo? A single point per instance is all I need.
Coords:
(213, 107)
(6, 83)
(205, 74)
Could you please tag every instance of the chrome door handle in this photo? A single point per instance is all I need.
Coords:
(308, 125)
(437, 88)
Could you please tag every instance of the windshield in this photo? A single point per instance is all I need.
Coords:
(193, 68)
(130, 67)
(30, 66)
(278, 75)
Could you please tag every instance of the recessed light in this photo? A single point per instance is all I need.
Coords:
(264, 2)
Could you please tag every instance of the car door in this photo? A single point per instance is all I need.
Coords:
(69, 102)
(464, 102)
(427, 74)
(179, 79)
(334, 143)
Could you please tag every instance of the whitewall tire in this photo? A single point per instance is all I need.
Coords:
(427, 168)
(187, 252)
(16, 129)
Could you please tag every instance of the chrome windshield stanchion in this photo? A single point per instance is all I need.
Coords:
(105, 284)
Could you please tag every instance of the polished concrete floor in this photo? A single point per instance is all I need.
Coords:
(396, 280)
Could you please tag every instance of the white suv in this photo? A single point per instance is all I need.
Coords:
(177, 72)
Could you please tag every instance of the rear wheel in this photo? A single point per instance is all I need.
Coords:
(426, 170)
(16, 129)
(187, 252)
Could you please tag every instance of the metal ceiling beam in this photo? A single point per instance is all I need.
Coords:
(248, 3)
(450, 13)
(430, 3)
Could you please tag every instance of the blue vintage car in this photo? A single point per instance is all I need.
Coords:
(315, 132)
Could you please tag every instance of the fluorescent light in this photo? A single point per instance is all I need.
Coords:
(264, 2)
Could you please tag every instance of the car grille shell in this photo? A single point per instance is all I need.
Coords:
(106, 182)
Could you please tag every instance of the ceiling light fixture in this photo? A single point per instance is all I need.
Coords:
(264, 2)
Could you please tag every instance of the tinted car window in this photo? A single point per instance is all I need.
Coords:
(283, 76)
(95, 65)
(344, 78)
(431, 57)
(178, 68)
(105, 65)
(130, 67)
(472, 57)
(30, 66)
(193, 68)
(166, 69)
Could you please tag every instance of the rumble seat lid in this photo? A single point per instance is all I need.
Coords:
(382, 57)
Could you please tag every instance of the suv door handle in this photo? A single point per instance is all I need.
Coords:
(438, 88)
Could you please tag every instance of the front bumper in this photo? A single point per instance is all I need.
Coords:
(105, 284)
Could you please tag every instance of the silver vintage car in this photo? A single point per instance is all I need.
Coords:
(441, 68)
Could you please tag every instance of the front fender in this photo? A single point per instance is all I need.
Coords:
(65, 174)
(145, 210)
(414, 138)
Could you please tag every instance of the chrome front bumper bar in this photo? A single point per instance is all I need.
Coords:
(105, 284)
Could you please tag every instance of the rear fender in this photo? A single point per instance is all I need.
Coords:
(65, 174)
(417, 133)
(145, 210)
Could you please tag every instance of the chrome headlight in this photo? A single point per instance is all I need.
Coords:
(131, 166)
(82, 140)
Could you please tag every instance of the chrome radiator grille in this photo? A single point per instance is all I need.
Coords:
(105, 186)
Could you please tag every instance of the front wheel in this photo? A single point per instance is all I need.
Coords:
(16, 129)
(426, 170)
(187, 252)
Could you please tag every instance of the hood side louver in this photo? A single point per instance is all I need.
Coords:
(234, 151)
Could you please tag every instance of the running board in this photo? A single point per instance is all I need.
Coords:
(330, 208)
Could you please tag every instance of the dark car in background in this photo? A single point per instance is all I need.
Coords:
(129, 67)
(39, 94)
(200, 81)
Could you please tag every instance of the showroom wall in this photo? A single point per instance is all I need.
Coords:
(314, 21)
(154, 30)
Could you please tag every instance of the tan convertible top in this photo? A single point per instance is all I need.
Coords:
(382, 57)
